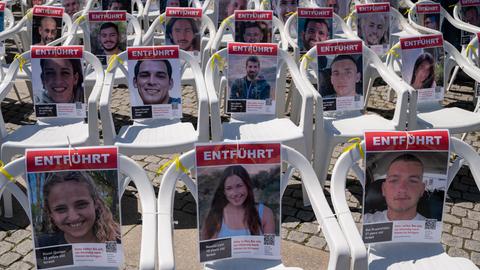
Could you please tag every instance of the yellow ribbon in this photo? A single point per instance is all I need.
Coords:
(227, 22)
(290, 13)
(309, 59)
(29, 14)
(21, 60)
(220, 61)
(7, 174)
(112, 60)
(393, 52)
(356, 144)
(407, 11)
(348, 16)
(178, 165)
(79, 19)
(162, 19)
(472, 48)
(264, 3)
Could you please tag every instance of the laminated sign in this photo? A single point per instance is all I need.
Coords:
(253, 26)
(341, 8)
(282, 9)
(108, 33)
(373, 26)
(469, 13)
(251, 75)
(46, 24)
(406, 180)
(57, 81)
(239, 200)
(423, 65)
(340, 74)
(154, 82)
(428, 15)
(75, 207)
(314, 25)
(182, 28)
(226, 8)
(2, 16)
(477, 85)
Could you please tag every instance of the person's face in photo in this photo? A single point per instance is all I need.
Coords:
(183, 34)
(72, 210)
(173, 3)
(47, 30)
(253, 68)
(37, 2)
(333, 4)
(472, 17)
(235, 5)
(71, 6)
(344, 77)
(285, 7)
(314, 32)
(153, 82)
(59, 80)
(431, 22)
(403, 188)
(109, 39)
(235, 190)
(422, 73)
(253, 35)
(116, 6)
(373, 28)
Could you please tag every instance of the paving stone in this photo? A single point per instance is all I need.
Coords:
(316, 242)
(297, 236)
(446, 227)
(308, 228)
(25, 247)
(475, 257)
(18, 236)
(462, 232)
(469, 223)
(467, 205)
(452, 241)
(451, 219)
(476, 235)
(472, 245)
(8, 258)
(5, 246)
(473, 215)
(284, 233)
(457, 211)
(456, 252)
(290, 223)
(3, 234)
(20, 266)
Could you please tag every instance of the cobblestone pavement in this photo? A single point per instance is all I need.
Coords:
(461, 234)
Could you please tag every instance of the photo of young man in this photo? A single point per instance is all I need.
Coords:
(314, 31)
(184, 32)
(284, 8)
(109, 39)
(252, 85)
(72, 6)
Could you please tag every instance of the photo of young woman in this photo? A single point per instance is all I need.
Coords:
(233, 210)
(75, 212)
(423, 72)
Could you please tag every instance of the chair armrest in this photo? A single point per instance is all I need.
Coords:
(136, 28)
(276, 22)
(211, 82)
(460, 24)
(108, 127)
(230, 20)
(470, 69)
(288, 24)
(148, 37)
(358, 251)
(94, 97)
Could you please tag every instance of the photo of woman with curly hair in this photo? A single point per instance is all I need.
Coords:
(74, 211)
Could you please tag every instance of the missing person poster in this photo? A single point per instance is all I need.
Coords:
(226, 8)
(340, 74)
(108, 33)
(154, 82)
(429, 15)
(251, 76)
(75, 207)
(164, 4)
(373, 26)
(314, 25)
(340, 7)
(406, 182)
(57, 81)
(253, 26)
(239, 203)
(282, 9)
(423, 65)
(469, 13)
(46, 24)
(2, 16)
(125, 5)
(477, 85)
(182, 28)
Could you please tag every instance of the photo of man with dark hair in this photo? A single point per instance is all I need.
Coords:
(314, 31)
(48, 30)
(184, 32)
(252, 85)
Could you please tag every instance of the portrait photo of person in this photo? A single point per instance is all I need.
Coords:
(432, 21)
(117, 5)
(184, 32)
(61, 81)
(284, 8)
(153, 82)
(46, 29)
(74, 209)
(227, 7)
(423, 72)
(32, 3)
(172, 3)
(313, 31)
(373, 28)
(253, 31)
(231, 205)
(72, 6)
(340, 7)
(252, 85)
(109, 38)
(404, 192)
(343, 78)
(471, 15)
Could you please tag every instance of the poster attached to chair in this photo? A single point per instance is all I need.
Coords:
(406, 180)
(154, 82)
(373, 26)
(183, 28)
(340, 74)
(117, 5)
(477, 84)
(251, 77)
(253, 26)
(2, 15)
(423, 65)
(239, 200)
(46, 24)
(340, 7)
(314, 25)
(469, 13)
(108, 33)
(75, 207)
(428, 15)
(57, 81)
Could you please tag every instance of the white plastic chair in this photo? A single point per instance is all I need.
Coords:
(334, 128)
(155, 136)
(149, 14)
(339, 257)
(395, 256)
(146, 193)
(50, 132)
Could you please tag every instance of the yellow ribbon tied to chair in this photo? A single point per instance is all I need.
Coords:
(178, 165)
(21, 61)
(79, 19)
(227, 22)
(112, 61)
(349, 16)
(309, 59)
(356, 143)
(7, 175)
(219, 60)
(407, 11)
(472, 48)
(393, 52)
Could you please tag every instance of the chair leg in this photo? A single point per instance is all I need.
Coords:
(322, 156)
(453, 77)
(7, 204)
